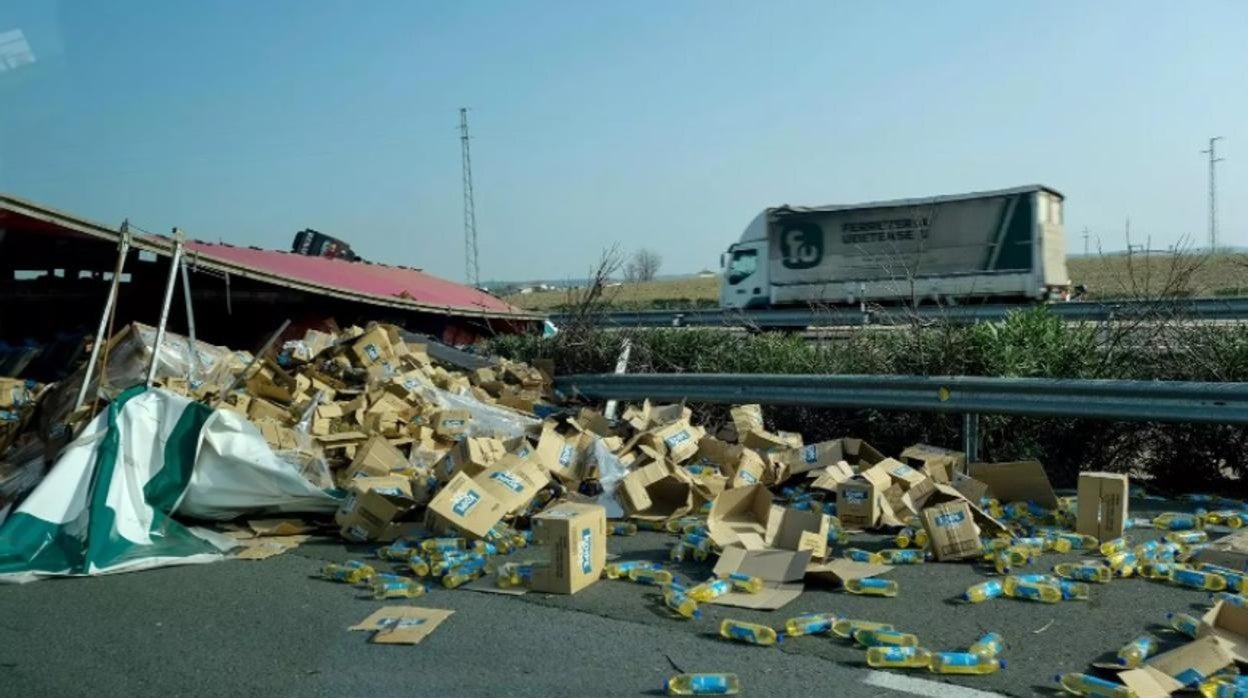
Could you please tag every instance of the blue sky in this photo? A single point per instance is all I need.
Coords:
(660, 124)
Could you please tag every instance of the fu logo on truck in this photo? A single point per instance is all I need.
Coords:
(801, 245)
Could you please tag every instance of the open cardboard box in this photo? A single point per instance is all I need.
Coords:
(809, 457)
(749, 470)
(656, 491)
(1021, 481)
(860, 502)
(938, 463)
(1228, 551)
(781, 571)
(955, 525)
(1229, 624)
(829, 478)
(749, 514)
(370, 515)
(563, 455)
(917, 485)
(1183, 666)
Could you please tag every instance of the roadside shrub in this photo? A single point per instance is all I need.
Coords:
(1032, 343)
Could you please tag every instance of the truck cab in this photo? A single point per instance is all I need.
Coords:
(744, 283)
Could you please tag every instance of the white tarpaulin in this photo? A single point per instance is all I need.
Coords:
(106, 505)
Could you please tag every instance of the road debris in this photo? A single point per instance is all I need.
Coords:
(486, 479)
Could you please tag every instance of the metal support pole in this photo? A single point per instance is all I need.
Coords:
(621, 366)
(178, 238)
(191, 344)
(970, 437)
(123, 249)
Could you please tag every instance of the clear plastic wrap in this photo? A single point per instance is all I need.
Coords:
(487, 420)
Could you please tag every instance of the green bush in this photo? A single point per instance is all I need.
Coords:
(1030, 343)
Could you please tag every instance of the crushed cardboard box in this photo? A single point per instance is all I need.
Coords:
(402, 625)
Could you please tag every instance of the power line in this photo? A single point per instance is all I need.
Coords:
(471, 270)
(1213, 192)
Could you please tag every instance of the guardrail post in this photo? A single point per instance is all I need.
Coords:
(970, 437)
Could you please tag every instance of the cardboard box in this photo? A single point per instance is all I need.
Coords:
(649, 416)
(840, 570)
(916, 485)
(377, 457)
(373, 347)
(810, 457)
(749, 470)
(793, 529)
(656, 491)
(1021, 481)
(714, 451)
(739, 511)
(450, 424)
(680, 440)
(514, 481)
(988, 526)
(746, 514)
(761, 440)
(1183, 666)
(1228, 551)
(367, 515)
(972, 489)
(951, 530)
(746, 418)
(1229, 624)
(259, 409)
(563, 456)
(470, 456)
(860, 454)
(829, 479)
(780, 570)
(465, 506)
(402, 625)
(860, 501)
(938, 463)
(575, 538)
(394, 485)
(591, 421)
(1102, 505)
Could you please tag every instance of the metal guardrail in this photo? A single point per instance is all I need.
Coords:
(1090, 311)
(1118, 400)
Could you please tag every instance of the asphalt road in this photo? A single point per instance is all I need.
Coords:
(270, 628)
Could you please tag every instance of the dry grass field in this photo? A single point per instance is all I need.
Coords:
(1105, 276)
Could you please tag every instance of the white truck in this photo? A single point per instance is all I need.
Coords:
(1002, 245)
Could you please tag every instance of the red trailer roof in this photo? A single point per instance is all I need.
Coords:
(379, 284)
(360, 277)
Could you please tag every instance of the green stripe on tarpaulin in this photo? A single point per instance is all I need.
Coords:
(28, 543)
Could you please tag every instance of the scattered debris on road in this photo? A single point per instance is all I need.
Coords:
(486, 479)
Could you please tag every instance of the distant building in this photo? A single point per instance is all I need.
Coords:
(707, 274)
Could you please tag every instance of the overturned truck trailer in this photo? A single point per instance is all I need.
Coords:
(56, 268)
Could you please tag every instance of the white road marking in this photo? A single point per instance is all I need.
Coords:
(922, 687)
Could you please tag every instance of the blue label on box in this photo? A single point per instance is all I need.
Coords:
(463, 503)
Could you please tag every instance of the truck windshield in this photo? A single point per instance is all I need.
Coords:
(743, 264)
